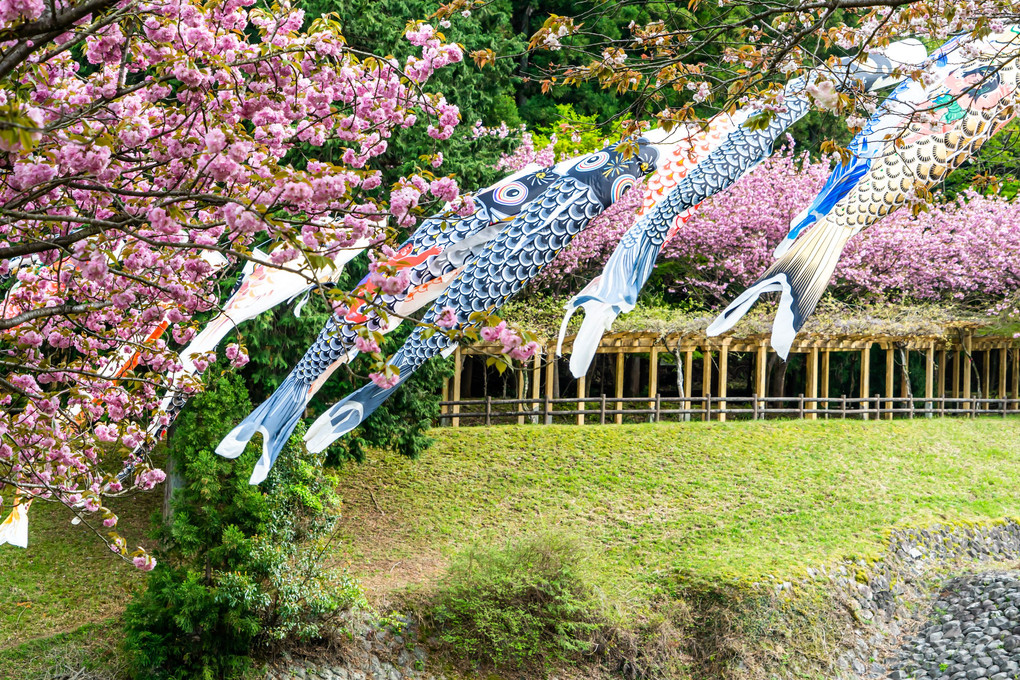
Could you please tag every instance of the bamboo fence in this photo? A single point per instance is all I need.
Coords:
(953, 365)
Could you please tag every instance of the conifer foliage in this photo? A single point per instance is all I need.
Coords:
(238, 567)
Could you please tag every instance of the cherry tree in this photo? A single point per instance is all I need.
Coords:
(146, 147)
(964, 251)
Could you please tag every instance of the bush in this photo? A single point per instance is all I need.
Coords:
(238, 568)
(521, 604)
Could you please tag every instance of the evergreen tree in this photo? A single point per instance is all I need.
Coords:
(238, 566)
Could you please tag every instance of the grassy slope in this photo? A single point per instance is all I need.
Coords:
(737, 500)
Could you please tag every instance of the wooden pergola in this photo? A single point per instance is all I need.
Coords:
(961, 347)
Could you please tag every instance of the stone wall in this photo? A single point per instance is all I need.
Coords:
(908, 616)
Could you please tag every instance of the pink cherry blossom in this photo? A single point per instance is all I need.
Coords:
(140, 185)
(237, 355)
(447, 318)
(444, 188)
(366, 344)
(525, 351)
(384, 381)
(144, 562)
(492, 333)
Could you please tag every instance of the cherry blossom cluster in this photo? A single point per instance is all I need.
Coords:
(552, 33)
(501, 131)
(513, 344)
(131, 186)
(525, 154)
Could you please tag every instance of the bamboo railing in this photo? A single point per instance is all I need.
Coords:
(946, 392)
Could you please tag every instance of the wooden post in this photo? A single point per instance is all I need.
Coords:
(618, 419)
(1016, 378)
(458, 367)
(520, 394)
(724, 363)
(536, 385)
(929, 378)
(942, 373)
(824, 392)
(706, 379)
(986, 381)
(890, 372)
(1003, 384)
(602, 410)
(968, 366)
(653, 380)
(688, 377)
(812, 383)
(865, 379)
(550, 382)
(582, 392)
(905, 381)
(761, 363)
(956, 376)
(488, 410)
(446, 397)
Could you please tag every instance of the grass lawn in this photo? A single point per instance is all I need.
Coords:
(66, 579)
(721, 501)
